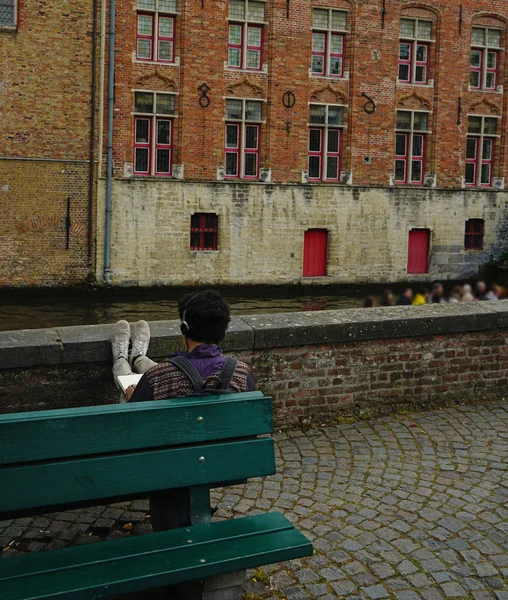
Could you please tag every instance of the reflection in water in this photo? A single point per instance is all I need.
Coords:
(41, 309)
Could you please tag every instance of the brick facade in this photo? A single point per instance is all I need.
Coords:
(45, 98)
(261, 231)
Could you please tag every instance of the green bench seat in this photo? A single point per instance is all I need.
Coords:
(66, 459)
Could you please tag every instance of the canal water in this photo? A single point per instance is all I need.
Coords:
(41, 308)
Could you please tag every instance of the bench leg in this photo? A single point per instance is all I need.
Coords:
(220, 587)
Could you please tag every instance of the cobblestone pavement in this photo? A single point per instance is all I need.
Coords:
(405, 507)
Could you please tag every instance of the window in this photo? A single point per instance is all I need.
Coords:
(8, 9)
(153, 133)
(473, 235)
(485, 47)
(204, 231)
(481, 135)
(325, 131)
(155, 30)
(245, 42)
(243, 119)
(328, 29)
(414, 50)
(410, 140)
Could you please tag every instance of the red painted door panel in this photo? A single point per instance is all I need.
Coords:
(418, 251)
(314, 252)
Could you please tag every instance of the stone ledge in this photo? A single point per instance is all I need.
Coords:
(90, 343)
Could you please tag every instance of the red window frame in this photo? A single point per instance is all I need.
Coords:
(155, 37)
(235, 151)
(150, 37)
(200, 227)
(473, 239)
(409, 158)
(143, 145)
(153, 146)
(325, 153)
(251, 151)
(327, 54)
(162, 146)
(251, 47)
(166, 38)
(244, 46)
(412, 63)
(479, 161)
(236, 46)
(483, 69)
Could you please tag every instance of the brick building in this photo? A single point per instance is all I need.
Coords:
(253, 141)
(47, 216)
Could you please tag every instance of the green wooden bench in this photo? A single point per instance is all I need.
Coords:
(66, 459)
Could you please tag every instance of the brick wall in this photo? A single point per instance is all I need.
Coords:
(370, 67)
(317, 366)
(45, 96)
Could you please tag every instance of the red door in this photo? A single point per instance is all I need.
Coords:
(314, 252)
(418, 251)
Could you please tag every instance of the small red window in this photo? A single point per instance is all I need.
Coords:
(204, 231)
(473, 237)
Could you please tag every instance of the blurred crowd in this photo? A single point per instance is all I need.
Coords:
(436, 295)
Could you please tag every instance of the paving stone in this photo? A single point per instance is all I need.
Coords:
(376, 591)
(453, 590)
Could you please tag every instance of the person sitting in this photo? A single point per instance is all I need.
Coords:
(386, 298)
(481, 291)
(204, 319)
(467, 295)
(421, 297)
(437, 295)
(406, 298)
(494, 293)
(369, 302)
(456, 294)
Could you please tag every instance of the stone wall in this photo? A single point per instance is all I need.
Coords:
(316, 365)
(261, 232)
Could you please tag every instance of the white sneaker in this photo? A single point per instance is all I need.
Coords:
(120, 336)
(140, 341)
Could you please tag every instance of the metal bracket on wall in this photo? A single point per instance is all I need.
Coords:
(460, 19)
(68, 223)
(370, 106)
(383, 13)
(288, 99)
(204, 100)
(287, 9)
(459, 112)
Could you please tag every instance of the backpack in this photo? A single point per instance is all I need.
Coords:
(225, 376)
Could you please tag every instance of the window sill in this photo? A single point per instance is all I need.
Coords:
(200, 252)
(499, 90)
(175, 63)
(429, 84)
(8, 29)
(262, 71)
(344, 77)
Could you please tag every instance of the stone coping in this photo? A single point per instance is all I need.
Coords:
(91, 343)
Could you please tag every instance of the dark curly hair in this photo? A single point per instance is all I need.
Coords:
(207, 315)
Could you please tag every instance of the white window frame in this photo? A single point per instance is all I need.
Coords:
(329, 31)
(416, 41)
(14, 24)
(485, 49)
(154, 117)
(324, 143)
(409, 151)
(479, 161)
(245, 23)
(157, 13)
(243, 123)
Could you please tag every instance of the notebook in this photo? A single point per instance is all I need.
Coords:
(126, 380)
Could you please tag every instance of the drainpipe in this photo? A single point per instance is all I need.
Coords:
(91, 173)
(109, 162)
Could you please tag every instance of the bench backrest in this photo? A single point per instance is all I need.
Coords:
(84, 456)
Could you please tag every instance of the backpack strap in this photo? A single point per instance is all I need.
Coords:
(227, 372)
(190, 370)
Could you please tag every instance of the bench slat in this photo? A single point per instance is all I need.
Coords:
(44, 435)
(50, 485)
(140, 563)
